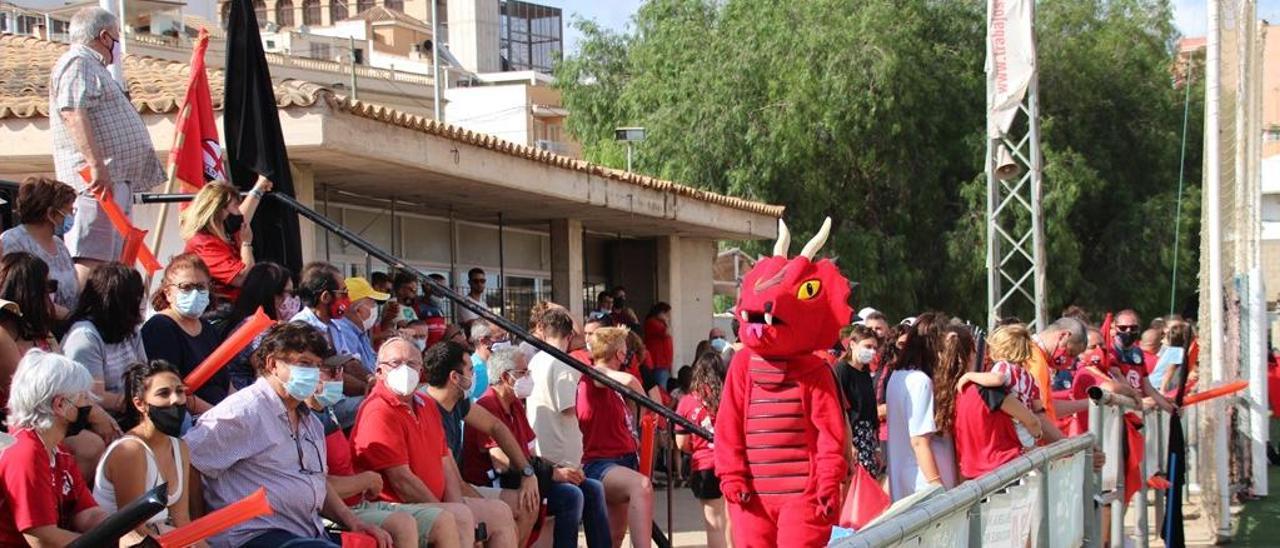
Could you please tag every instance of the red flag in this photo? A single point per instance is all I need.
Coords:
(196, 156)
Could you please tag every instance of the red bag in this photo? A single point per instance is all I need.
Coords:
(864, 502)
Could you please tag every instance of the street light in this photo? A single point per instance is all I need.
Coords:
(629, 135)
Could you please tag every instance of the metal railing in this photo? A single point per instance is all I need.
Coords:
(968, 500)
(1107, 424)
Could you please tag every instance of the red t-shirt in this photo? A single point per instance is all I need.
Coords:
(35, 494)
(1086, 378)
(605, 422)
(659, 344)
(476, 461)
(338, 456)
(704, 453)
(388, 433)
(985, 439)
(223, 260)
(1149, 361)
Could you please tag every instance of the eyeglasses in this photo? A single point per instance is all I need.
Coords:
(303, 461)
(395, 364)
(1127, 328)
(191, 286)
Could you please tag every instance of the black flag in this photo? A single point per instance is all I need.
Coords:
(255, 144)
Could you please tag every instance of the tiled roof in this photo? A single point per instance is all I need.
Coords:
(154, 85)
(157, 86)
(381, 14)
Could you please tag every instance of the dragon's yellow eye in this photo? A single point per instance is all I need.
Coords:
(809, 289)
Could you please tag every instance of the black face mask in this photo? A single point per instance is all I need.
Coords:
(1126, 338)
(82, 421)
(232, 225)
(168, 419)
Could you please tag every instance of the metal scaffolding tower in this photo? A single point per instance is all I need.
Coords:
(1015, 230)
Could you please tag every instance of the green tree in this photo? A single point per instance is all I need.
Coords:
(871, 112)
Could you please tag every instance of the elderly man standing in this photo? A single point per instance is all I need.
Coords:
(96, 126)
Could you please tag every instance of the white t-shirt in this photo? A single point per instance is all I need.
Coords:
(555, 389)
(465, 315)
(909, 397)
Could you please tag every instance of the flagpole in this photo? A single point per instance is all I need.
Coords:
(157, 236)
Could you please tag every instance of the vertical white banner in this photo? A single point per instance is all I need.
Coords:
(1011, 60)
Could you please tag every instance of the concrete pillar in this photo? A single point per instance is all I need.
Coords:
(304, 189)
(473, 33)
(566, 264)
(685, 281)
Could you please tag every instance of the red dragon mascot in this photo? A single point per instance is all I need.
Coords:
(781, 440)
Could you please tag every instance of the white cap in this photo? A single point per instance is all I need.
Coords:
(909, 320)
(866, 311)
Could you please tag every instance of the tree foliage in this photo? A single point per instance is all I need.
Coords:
(871, 112)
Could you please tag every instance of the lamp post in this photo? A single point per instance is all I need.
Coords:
(630, 136)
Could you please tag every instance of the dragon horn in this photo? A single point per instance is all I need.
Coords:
(819, 239)
(783, 244)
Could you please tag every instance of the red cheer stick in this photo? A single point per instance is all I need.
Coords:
(238, 340)
(233, 514)
(1216, 392)
(358, 540)
(121, 223)
(648, 428)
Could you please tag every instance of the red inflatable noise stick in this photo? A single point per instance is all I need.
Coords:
(648, 429)
(238, 340)
(252, 506)
(134, 249)
(1216, 392)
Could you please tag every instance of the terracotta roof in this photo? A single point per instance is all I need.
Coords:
(383, 14)
(157, 86)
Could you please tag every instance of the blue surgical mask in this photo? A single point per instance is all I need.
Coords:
(62, 229)
(718, 344)
(330, 394)
(192, 303)
(302, 382)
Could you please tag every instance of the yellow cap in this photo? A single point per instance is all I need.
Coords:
(359, 288)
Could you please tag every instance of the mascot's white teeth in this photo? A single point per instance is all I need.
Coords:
(768, 318)
(745, 315)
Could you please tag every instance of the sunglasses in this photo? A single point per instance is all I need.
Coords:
(191, 286)
(1127, 328)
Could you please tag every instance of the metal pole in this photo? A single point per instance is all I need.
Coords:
(1090, 486)
(394, 251)
(1161, 461)
(502, 267)
(1143, 525)
(1043, 529)
(453, 252)
(671, 480)
(351, 44)
(1097, 416)
(628, 156)
(437, 89)
(1037, 172)
(327, 197)
(1117, 449)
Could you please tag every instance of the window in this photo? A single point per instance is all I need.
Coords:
(362, 5)
(529, 36)
(260, 12)
(338, 10)
(284, 13)
(397, 5)
(271, 44)
(311, 12)
(320, 51)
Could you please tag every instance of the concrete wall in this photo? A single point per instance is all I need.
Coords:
(685, 281)
(502, 111)
(473, 33)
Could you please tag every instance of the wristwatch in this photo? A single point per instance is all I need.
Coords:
(527, 471)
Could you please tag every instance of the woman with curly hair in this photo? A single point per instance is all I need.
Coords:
(700, 407)
(920, 455)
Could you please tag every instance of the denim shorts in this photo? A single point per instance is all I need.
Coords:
(598, 468)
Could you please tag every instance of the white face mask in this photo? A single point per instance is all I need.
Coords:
(368, 323)
(402, 380)
(864, 355)
(524, 387)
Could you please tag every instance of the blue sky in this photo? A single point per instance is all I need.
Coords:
(1189, 15)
